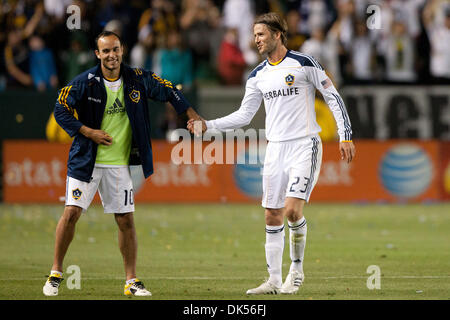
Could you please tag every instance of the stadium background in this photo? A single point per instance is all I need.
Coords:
(382, 60)
(388, 208)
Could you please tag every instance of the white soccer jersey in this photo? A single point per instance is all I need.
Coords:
(288, 89)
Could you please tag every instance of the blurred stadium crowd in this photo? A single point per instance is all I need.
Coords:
(211, 41)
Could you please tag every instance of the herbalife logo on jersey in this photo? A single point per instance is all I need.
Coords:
(116, 107)
(281, 93)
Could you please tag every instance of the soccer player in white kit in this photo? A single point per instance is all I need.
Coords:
(286, 81)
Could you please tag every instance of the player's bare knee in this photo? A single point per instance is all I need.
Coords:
(125, 221)
(293, 214)
(274, 217)
(72, 214)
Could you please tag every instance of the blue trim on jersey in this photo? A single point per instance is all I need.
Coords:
(258, 68)
(304, 59)
(348, 129)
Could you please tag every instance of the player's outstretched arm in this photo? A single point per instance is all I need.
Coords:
(237, 119)
(347, 150)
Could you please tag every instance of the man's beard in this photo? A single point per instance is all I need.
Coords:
(270, 48)
(267, 52)
(105, 65)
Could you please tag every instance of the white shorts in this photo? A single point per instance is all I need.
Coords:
(291, 169)
(114, 185)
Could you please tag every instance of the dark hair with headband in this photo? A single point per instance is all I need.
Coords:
(275, 23)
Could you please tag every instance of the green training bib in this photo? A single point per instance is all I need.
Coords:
(115, 122)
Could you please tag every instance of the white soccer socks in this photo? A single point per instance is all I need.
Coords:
(297, 242)
(56, 273)
(274, 253)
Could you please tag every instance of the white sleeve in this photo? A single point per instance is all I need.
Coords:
(322, 82)
(241, 117)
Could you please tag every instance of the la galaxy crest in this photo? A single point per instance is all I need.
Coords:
(76, 193)
(135, 96)
(289, 79)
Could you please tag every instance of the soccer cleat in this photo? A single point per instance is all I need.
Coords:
(136, 288)
(265, 288)
(293, 282)
(52, 284)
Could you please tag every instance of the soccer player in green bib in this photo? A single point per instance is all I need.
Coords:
(105, 109)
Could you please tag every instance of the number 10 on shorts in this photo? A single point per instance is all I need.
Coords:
(129, 197)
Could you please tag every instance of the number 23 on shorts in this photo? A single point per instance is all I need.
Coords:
(299, 185)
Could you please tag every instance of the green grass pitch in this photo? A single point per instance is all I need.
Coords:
(216, 252)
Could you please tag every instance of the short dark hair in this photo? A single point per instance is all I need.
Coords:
(275, 23)
(107, 34)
